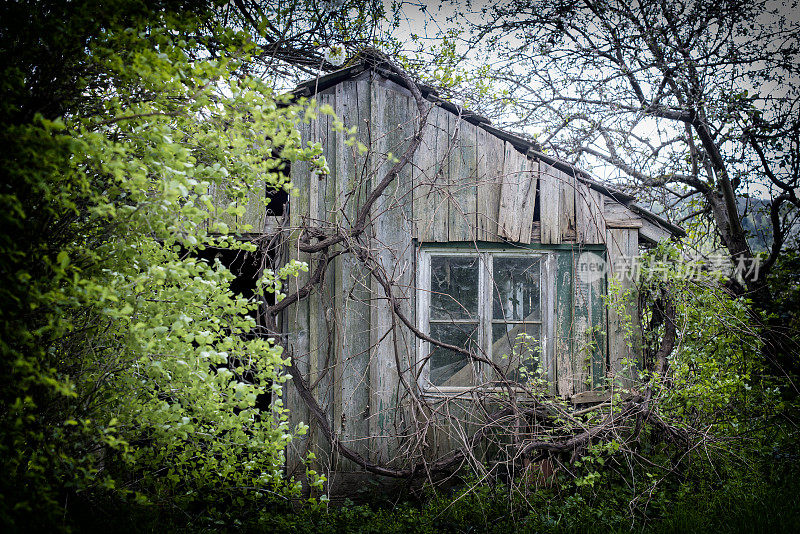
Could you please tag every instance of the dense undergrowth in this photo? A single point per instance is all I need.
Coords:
(758, 498)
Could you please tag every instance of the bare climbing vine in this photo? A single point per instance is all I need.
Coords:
(500, 429)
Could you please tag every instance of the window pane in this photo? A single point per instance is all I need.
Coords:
(454, 287)
(449, 368)
(516, 349)
(516, 289)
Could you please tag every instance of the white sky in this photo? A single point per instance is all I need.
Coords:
(428, 18)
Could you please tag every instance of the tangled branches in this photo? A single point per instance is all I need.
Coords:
(496, 426)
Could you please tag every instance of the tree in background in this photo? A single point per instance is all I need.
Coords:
(296, 39)
(695, 104)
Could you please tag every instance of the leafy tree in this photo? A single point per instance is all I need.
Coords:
(127, 369)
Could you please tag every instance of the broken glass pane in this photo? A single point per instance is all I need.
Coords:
(516, 349)
(454, 287)
(449, 368)
(516, 289)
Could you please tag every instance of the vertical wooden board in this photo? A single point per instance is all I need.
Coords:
(423, 169)
(328, 195)
(507, 223)
(589, 215)
(623, 342)
(599, 330)
(549, 316)
(530, 172)
(517, 197)
(564, 323)
(463, 170)
(444, 150)
(430, 175)
(617, 243)
(323, 357)
(296, 317)
(314, 298)
(351, 314)
(404, 195)
(582, 353)
(550, 206)
(583, 216)
(491, 153)
(308, 321)
(404, 274)
(321, 334)
(324, 210)
(566, 206)
(616, 337)
(254, 218)
(589, 352)
(598, 201)
(392, 241)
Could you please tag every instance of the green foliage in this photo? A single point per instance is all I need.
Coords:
(763, 500)
(128, 368)
(785, 308)
(716, 375)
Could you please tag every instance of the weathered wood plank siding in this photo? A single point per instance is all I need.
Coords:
(490, 156)
(624, 342)
(589, 215)
(296, 317)
(431, 179)
(653, 232)
(463, 184)
(550, 207)
(562, 366)
(567, 184)
(589, 345)
(322, 193)
(517, 196)
(462, 221)
(395, 118)
(618, 216)
(352, 311)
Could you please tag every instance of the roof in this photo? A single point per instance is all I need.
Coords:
(375, 61)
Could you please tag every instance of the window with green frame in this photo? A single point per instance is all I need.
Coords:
(491, 303)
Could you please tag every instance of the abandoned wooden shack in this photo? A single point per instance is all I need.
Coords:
(480, 241)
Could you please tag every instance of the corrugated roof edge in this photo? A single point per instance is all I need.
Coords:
(377, 63)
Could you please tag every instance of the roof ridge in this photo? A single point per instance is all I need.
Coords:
(371, 58)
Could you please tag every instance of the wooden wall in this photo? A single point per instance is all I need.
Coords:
(464, 185)
(470, 185)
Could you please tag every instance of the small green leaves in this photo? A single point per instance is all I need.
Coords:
(63, 259)
(126, 338)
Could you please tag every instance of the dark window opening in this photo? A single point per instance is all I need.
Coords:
(277, 201)
(279, 197)
(246, 267)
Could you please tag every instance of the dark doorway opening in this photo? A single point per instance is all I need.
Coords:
(246, 267)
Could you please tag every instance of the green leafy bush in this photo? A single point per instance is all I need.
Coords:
(127, 369)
